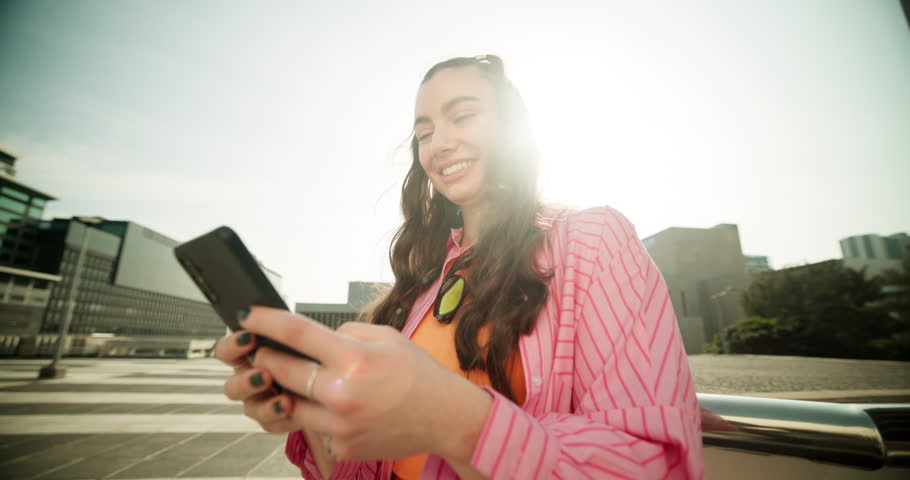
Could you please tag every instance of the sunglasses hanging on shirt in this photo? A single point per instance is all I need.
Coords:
(453, 290)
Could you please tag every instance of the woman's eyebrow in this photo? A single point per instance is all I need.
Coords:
(447, 107)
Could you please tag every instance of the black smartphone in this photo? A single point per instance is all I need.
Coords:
(230, 278)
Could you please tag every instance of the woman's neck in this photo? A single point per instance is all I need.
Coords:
(473, 217)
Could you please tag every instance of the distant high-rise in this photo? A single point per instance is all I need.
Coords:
(875, 253)
(131, 293)
(705, 270)
(21, 208)
(756, 264)
(360, 295)
(24, 291)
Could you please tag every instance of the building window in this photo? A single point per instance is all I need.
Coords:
(893, 249)
(15, 193)
(12, 205)
(9, 217)
(867, 242)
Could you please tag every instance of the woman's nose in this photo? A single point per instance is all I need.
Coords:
(443, 141)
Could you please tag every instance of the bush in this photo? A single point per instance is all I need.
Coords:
(761, 336)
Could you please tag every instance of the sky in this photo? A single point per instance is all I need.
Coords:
(289, 121)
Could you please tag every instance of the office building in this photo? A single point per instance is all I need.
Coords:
(756, 264)
(360, 294)
(24, 291)
(875, 253)
(705, 270)
(131, 298)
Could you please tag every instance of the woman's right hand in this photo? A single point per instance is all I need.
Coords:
(253, 386)
(260, 402)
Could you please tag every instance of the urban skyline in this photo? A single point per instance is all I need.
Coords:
(293, 132)
(275, 273)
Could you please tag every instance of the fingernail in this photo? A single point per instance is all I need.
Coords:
(277, 407)
(251, 357)
(256, 380)
(244, 338)
(242, 314)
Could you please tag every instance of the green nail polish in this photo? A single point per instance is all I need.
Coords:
(277, 407)
(242, 314)
(244, 338)
(256, 380)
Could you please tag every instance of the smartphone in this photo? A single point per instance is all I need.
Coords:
(230, 278)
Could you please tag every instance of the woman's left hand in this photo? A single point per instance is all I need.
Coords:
(376, 395)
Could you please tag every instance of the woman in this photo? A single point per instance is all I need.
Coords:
(517, 342)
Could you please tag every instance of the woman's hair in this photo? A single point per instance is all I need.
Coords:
(506, 289)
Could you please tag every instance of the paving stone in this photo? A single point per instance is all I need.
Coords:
(131, 452)
(18, 446)
(239, 459)
(106, 387)
(179, 457)
(211, 376)
(50, 459)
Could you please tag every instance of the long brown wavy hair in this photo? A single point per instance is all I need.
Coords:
(505, 287)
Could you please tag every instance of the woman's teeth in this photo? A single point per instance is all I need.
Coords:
(454, 168)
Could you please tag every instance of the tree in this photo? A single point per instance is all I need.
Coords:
(896, 289)
(762, 336)
(822, 309)
(895, 304)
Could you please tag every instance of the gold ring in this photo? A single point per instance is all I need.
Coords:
(327, 443)
(311, 381)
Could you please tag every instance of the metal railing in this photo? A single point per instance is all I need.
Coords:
(864, 436)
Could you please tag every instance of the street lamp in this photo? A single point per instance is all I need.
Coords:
(53, 370)
(720, 316)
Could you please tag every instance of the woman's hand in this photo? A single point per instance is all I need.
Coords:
(375, 396)
(253, 386)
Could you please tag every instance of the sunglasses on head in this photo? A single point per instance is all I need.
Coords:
(453, 291)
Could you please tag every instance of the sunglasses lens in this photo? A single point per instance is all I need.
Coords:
(450, 299)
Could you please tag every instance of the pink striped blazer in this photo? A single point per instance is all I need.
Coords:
(609, 391)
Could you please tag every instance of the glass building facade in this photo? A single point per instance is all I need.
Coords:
(21, 209)
(24, 292)
(102, 306)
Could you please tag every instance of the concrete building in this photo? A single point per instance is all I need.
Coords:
(875, 253)
(360, 294)
(24, 291)
(705, 270)
(756, 264)
(132, 297)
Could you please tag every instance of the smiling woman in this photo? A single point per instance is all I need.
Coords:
(519, 340)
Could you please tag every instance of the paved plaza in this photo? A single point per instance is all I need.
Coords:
(130, 418)
(164, 418)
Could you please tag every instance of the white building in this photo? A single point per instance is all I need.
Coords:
(875, 253)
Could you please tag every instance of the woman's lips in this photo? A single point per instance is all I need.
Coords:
(458, 174)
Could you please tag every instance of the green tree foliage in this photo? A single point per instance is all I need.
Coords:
(759, 335)
(824, 309)
(897, 290)
(895, 303)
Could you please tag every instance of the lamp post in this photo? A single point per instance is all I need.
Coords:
(720, 316)
(53, 370)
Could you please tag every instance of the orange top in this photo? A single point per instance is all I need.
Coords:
(439, 341)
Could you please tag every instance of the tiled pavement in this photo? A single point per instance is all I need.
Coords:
(153, 419)
(130, 419)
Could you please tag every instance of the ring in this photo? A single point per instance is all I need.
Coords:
(311, 381)
(327, 443)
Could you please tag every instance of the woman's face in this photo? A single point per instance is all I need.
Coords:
(455, 125)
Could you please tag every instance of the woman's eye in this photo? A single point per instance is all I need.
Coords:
(464, 117)
(425, 137)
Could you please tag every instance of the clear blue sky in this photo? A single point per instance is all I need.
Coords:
(287, 120)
